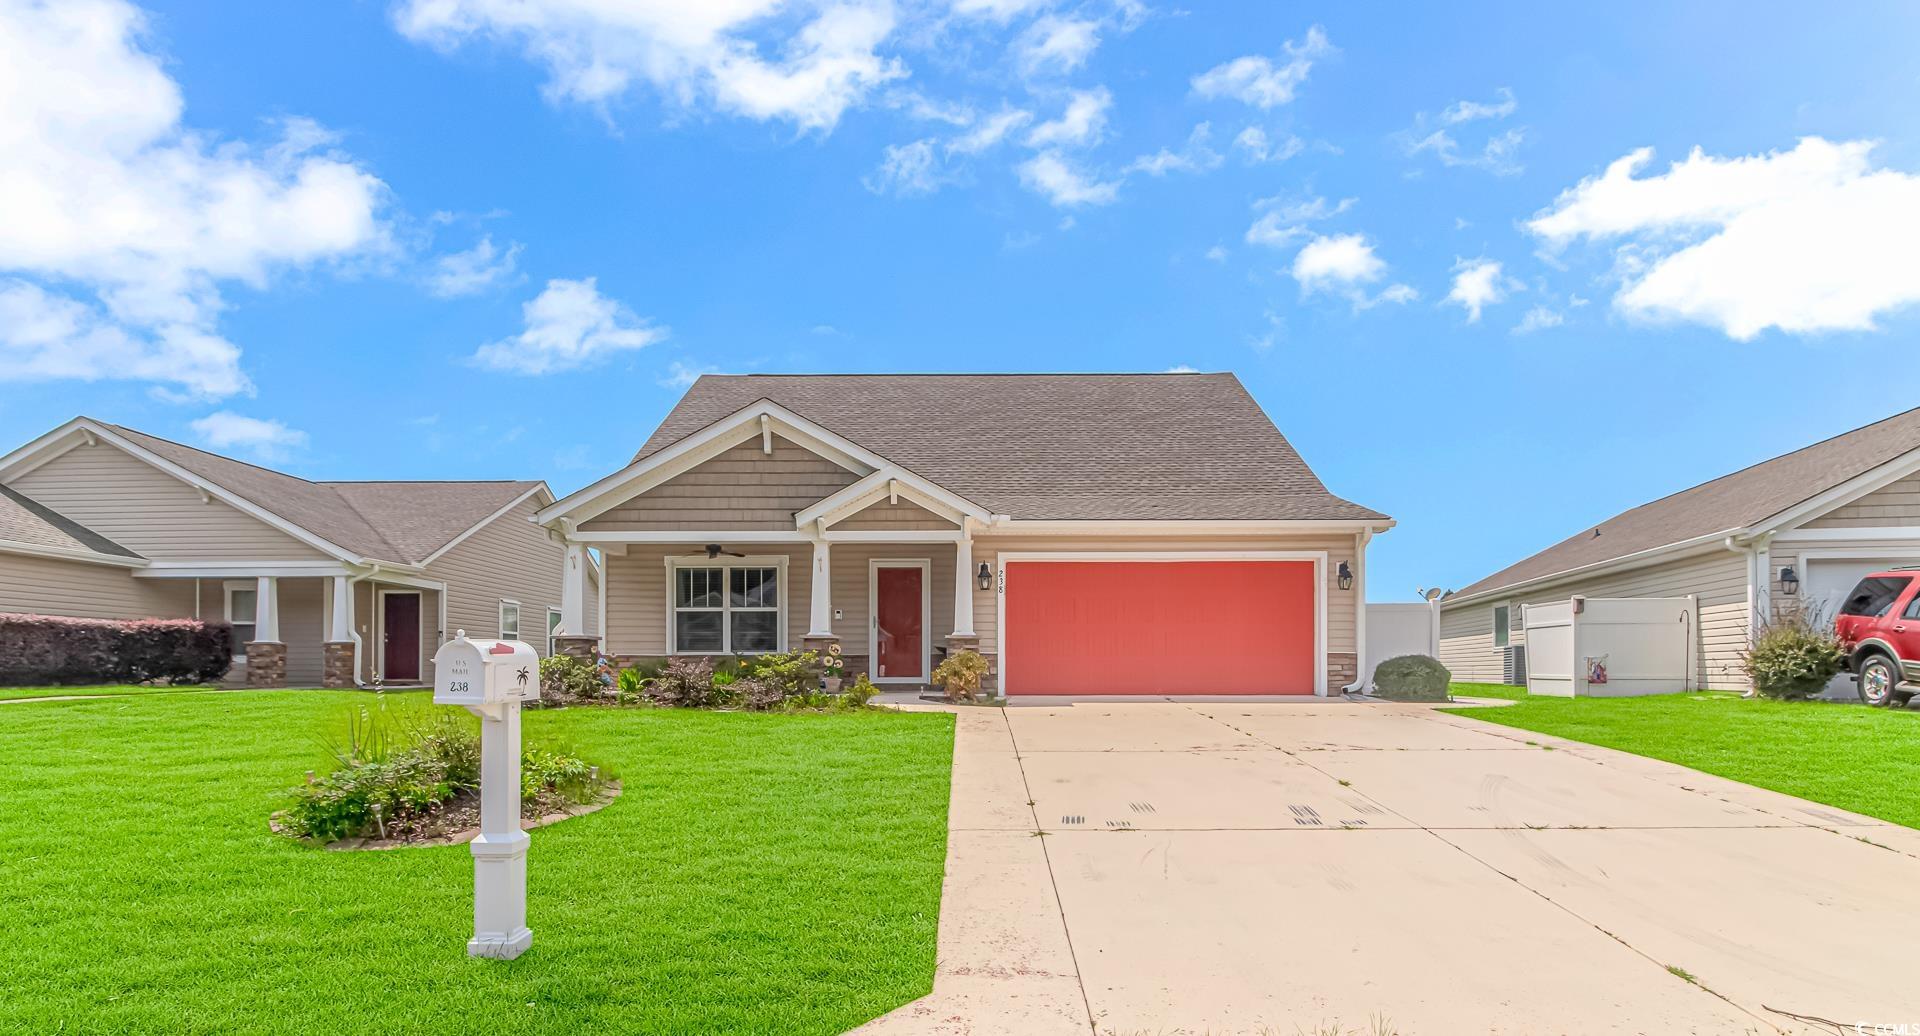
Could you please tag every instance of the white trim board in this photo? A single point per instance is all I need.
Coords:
(36, 550)
(1877, 533)
(925, 565)
(1318, 557)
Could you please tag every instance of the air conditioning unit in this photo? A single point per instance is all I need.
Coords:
(1513, 666)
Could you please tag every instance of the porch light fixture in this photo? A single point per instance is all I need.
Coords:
(985, 578)
(1789, 581)
(1345, 576)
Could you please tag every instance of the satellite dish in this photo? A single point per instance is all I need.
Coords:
(1431, 595)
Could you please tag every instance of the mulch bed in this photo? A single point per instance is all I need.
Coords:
(457, 821)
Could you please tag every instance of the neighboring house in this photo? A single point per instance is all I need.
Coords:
(1090, 534)
(325, 583)
(1795, 531)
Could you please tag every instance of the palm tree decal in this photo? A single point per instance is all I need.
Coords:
(521, 677)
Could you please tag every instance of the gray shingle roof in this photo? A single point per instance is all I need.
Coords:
(386, 521)
(1728, 503)
(24, 520)
(1051, 446)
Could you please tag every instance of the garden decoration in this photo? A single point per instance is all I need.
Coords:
(491, 678)
(831, 666)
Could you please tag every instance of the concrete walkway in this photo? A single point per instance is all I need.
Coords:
(1226, 867)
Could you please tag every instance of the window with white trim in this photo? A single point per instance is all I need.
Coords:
(242, 609)
(726, 609)
(509, 620)
(1502, 628)
(553, 628)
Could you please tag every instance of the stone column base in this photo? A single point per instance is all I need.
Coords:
(266, 664)
(336, 667)
(585, 648)
(1343, 667)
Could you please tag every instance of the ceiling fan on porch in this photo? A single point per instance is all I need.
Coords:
(714, 550)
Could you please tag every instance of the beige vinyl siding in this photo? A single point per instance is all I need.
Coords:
(152, 513)
(637, 593)
(80, 589)
(742, 488)
(904, 514)
(303, 628)
(1895, 504)
(1893, 552)
(1718, 578)
(851, 580)
(511, 558)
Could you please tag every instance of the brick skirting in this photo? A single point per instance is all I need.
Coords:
(336, 668)
(266, 664)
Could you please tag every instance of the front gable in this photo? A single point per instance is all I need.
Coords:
(756, 484)
(894, 514)
(1893, 505)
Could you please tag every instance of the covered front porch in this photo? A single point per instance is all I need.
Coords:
(317, 624)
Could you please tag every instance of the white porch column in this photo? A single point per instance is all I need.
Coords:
(266, 610)
(820, 621)
(963, 587)
(573, 592)
(340, 628)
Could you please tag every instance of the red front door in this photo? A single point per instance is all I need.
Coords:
(400, 660)
(900, 651)
(1159, 627)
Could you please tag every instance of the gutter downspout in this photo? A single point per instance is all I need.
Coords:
(1360, 674)
(353, 630)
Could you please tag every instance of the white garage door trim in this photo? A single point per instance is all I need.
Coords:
(1867, 557)
(1318, 557)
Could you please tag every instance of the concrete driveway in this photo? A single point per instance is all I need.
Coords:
(1255, 867)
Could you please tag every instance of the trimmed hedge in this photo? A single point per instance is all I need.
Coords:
(52, 651)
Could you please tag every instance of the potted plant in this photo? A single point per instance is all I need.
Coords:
(961, 674)
(831, 667)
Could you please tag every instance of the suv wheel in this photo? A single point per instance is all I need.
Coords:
(1878, 678)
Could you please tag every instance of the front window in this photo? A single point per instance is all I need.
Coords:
(509, 620)
(242, 608)
(1502, 628)
(1874, 596)
(553, 628)
(726, 609)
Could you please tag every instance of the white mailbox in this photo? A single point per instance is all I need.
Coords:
(485, 672)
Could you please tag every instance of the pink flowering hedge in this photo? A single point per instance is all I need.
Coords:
(51, 650)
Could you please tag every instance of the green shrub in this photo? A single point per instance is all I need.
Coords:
(1793, 657)
(793, 672)
(857, 695)
(961, 674)
(1411, 678)
(685, 683)
(566, 680)
(757, 694)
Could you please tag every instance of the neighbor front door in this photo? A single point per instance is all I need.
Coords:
(400, 658)
(899, 625)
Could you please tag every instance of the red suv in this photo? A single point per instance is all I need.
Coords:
(1879, 625)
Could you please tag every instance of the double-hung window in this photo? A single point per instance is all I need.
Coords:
(1502, 625)
(509, 620)
(242, 605)
(726, 609)
(553, 629)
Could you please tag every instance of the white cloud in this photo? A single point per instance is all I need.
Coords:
(906, 169)
(1812, 239)
(104, 193)
(474, 270)
(1468, 111)
(1477, 284)
(1539, 318)
(1283, 220)
(1195, 157)
(1255, 146)
(691, 54)
(1054, 45)
(1050, 174)
(1181, 369)
(1001, 11)
(1258, 80)
(569, 325)
(926, 109)
(1344, 264)
(1217, 253)
(989, 132)
(682, 376)
(1497, 156)
(265, 439)
(1083, 123)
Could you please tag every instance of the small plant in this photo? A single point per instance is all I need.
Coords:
(630, 685)
(858, 694)
(1793, 657)
(794, 672)
(758, 695)
(1411, 678)
(565, 680)
(961, 674)
(684, 683)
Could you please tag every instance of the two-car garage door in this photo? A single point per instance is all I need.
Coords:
(1171, 626)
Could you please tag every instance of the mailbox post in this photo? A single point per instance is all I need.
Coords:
(490, 678)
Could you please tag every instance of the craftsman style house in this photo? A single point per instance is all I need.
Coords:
(1090, 534)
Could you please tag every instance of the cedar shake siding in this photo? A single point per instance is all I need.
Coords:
(151, 512)
(742, 488)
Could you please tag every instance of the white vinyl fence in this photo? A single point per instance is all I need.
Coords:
(1613, 646)
(1400, 629)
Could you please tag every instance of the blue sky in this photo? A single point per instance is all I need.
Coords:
(482, 238)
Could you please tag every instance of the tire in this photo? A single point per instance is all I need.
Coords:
(1878, 679)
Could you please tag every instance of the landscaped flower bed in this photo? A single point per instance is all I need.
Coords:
(408, 776)
(787, 681)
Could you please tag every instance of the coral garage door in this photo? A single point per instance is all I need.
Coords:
(1159, 627)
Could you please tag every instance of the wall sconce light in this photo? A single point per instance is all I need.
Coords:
(985, 578)
(1345, 576)
(1789, 581)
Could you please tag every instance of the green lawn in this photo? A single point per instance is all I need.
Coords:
(1850, 756)
(760, 873)
(62, 692)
